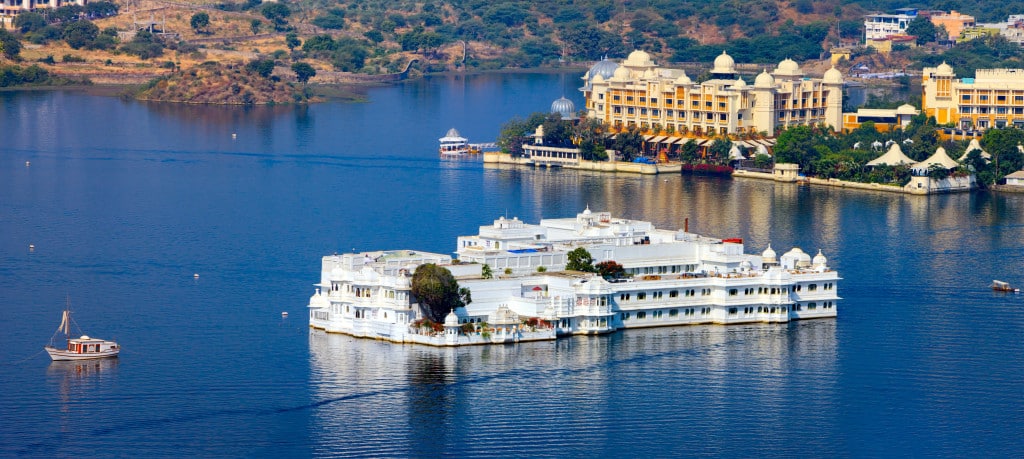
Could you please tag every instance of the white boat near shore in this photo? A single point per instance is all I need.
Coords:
(81, 348)
(521, 290)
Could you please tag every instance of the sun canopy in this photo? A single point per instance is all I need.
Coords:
(940, 158)
(893, 157)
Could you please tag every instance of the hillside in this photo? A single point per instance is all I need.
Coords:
(382, 37)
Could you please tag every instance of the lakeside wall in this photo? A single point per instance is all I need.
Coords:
(917, 185)
(495, 157)
(785, 174)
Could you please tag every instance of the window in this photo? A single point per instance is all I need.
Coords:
(673, 293)
(643, 99)
(616, 98)
(732, 311)
(812, 287)
(733, 291)
(624, 297)
(641, 296)
(654, 100)
(641, 315)
(673, 312)
(625, 316)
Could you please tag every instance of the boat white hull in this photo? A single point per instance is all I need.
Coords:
(64, 354)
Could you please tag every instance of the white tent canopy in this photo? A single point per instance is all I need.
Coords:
(939, 157)
(974, 145)
(893, 157)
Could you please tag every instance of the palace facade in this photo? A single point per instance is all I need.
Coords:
(637, 93)
(994, 98)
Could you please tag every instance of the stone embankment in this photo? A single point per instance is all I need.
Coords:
(494, 157)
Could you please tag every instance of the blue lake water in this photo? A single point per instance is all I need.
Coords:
(125, 201)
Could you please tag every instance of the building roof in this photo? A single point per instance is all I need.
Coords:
(1016, 175)
(452, 136)
(893, 157)
(974, 145)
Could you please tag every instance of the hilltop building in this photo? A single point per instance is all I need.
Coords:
(11, 8)
(954, 22)
(994, 98)
(881, 26)
(639, 94)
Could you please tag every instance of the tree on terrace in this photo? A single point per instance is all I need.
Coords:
(437, 291)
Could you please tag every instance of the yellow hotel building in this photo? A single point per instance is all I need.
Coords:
(994, 98)
(639, 94)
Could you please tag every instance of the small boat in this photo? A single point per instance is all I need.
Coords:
(1001, 286)
(81, 348)
(453, 144)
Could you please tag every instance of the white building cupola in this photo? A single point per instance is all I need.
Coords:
(832, 76)
(768, 256)
(788, 68)
(724, 68)
(764, 80)
(638, 60)
(819, 260)
(795, 258)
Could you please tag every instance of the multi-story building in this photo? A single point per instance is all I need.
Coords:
(994, 98)
(639, 94)
(954, 22)
(11, 8)
(881, 26)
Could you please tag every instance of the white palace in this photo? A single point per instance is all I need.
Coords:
(673, 277)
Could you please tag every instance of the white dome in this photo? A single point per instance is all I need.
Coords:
(639, 59)
(451, 320)
(649, 74)
(597, 79)
(746, 265)
(768, 255)
(788, 67)
(833, 76)
(764, 80)
(740, 84)
(819, 259)
(944, 69)
(724, 64)
(683, 79)
(798, 256)
(621, 73)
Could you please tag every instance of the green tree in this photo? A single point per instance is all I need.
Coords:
(291, 40)
(922, 28)
(277, 13)
(29, 21)
(628, 143)
(80, 34)
(255, 26)
(200, 21)
(263, 67)
(145, 45)
(485, 272)
(9, 44)
(517, 132)
(436, 290)
(303, 72)
(580, 260)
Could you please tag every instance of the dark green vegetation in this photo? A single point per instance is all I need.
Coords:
(822, 153)
(437, 291)
(33, 75)
(580, 260)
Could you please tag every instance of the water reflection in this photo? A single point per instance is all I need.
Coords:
(413, 400)
(76, 380)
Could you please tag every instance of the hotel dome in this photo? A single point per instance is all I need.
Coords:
(724, 64)
(564, 107)
(605, 68)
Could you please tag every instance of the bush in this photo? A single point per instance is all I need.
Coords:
(70, 58)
